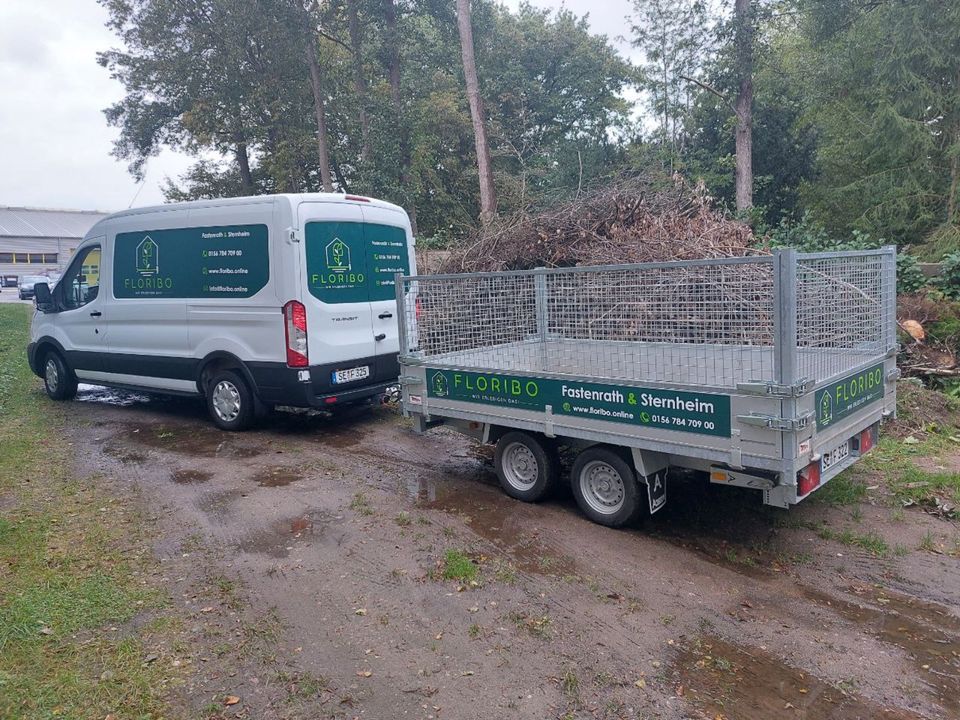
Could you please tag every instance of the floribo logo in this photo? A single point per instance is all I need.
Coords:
(826, 409)
(338, 256)
(440, 386)
(148, 257)
(147, 265)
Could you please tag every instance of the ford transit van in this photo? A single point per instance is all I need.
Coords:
(248, 302)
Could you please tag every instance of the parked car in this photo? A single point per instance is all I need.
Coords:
(25, 289)
(215, 298)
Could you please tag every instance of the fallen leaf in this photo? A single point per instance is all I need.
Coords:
(910, 440)
(360, 611)
(46, 631)
(914, 330)
(364, 673)
(231, 700)
(466, 673)
(641, 683)
(656, 663)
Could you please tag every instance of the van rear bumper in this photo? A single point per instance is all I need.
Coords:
(277, 384)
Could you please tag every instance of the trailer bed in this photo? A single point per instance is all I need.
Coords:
(706, 366)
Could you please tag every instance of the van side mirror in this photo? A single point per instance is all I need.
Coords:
(43, 297)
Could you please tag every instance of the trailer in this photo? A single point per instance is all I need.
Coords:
(771, 372)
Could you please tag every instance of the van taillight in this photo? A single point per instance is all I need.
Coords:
(295, 328)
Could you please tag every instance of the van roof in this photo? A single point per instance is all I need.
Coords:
(291, 197)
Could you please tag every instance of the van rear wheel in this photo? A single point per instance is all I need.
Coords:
(230, 401)
(58, 380)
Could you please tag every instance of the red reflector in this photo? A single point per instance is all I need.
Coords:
(808, 478)
(330, 400)
(356, 198)
(866, 441)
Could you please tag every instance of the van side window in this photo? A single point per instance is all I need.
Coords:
(81, 283)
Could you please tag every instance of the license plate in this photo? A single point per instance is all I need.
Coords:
(836, 455)
(351, 375)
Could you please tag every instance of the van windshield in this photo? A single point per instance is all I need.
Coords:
(349, 262)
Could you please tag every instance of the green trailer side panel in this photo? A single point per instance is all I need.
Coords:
(844, 397)
(701, 413)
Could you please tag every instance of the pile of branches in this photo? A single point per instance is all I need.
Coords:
(627, 221)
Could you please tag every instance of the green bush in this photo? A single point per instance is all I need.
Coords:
(950, 277)
(808, 236)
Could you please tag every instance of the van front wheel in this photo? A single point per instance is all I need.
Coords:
(230, 401)
(59, 382)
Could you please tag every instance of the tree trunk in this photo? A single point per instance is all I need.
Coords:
(744, 106)
(243, 164)
(396, 97)
(359, 82)
(323, 151)
(488, 197)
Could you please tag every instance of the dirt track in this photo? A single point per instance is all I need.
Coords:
(306, 557)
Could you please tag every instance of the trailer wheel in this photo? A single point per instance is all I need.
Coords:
(527, 469)
(605, 487)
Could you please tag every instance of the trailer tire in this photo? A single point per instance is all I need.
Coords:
(605, 487)
(527, 468)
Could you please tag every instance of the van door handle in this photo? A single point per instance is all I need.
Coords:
(96, 313)
(381, 336)
(385, 314)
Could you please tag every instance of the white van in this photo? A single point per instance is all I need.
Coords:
(249, 302)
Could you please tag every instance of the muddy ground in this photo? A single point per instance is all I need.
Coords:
(306, 561)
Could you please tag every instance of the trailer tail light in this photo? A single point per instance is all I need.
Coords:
(295, 329)
(866, 441)
(330, 400)
(809, 478)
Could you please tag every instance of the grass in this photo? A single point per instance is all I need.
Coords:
(361, 504)
(71, 560)
(457, 566)
(844, 489)
(870, 541)
(915, 486)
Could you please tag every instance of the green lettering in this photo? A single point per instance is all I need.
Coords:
(495, 384)
(515, 387)
(532, 389)
(482, 384)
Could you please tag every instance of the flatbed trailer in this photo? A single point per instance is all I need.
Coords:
(770, 372)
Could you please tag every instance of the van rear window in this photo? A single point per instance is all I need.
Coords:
(201, 262)
(354, 262)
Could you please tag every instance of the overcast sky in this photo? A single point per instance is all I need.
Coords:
(54, 141)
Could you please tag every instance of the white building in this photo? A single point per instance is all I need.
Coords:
(37, 241)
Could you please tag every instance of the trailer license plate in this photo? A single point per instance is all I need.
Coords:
(351, 375)
(836, 455)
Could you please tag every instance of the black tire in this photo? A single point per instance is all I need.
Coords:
(605, 487)
(230, 402)
(528, 468)
(58, 379)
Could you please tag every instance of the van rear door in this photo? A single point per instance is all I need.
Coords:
(339, 324)
(387, 234)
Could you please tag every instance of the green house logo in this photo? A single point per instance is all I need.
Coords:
(826, 409)
(338, 256)
(440, 386)
(148, 257)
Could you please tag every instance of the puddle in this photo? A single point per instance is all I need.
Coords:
(494, 517)
(124, 455)
(729, 681)
(191, 477)
(915, 627)
(215, 503)
(278, 476)
(202, 441)
(110, 396)
(278, 539)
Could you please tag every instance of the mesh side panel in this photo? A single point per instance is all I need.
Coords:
(844, 312)
(704, 324)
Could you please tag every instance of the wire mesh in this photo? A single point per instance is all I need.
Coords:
(708, 323)
(846, 308)
(703, 324)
